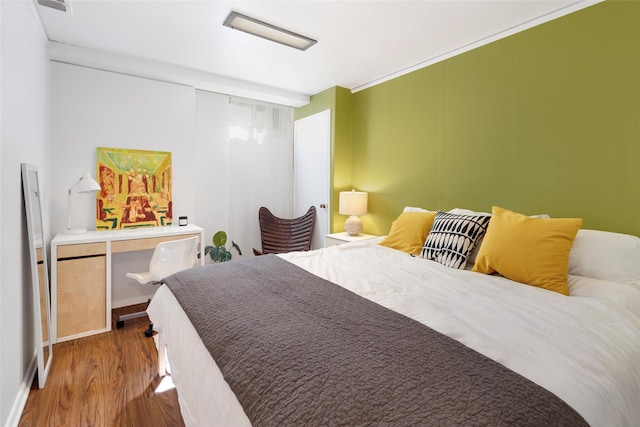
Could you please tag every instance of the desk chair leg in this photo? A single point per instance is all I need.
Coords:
(123, 317)
(149, 332)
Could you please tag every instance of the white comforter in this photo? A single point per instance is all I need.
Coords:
(584, 348)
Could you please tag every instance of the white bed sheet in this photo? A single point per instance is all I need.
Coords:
(584, 348)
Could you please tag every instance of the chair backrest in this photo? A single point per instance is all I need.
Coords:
(173, 256)
(281, 235)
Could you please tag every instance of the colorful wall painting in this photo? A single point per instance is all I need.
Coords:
(135, 188)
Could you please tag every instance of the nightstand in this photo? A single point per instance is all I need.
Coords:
(340, 238)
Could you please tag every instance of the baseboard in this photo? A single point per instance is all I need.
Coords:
(130, 301)
(23, 394)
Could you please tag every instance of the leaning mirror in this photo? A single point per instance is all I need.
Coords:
(39, 275)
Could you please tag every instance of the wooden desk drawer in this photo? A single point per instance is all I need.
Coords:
(144, 244)
(81, 250)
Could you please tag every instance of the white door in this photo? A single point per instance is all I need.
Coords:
(311, 151)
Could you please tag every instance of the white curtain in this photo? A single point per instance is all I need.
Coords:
(251, 154)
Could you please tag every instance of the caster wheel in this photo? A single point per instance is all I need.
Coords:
(120, 324)
(149, 332)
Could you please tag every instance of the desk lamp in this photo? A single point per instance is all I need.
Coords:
(85, 184)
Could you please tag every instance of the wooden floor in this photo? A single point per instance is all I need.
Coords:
(108, 379)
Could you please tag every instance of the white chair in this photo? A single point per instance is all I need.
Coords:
(168, 258)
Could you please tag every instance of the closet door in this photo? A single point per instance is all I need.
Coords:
(311, 167)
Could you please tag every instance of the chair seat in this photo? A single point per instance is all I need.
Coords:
(144, 277)
(168, 258)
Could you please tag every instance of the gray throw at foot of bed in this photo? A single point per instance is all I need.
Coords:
(298, 350)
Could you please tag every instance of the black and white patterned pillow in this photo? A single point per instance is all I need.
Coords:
(453, 237)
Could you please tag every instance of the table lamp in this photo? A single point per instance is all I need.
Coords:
(353, 203)
(85, 184)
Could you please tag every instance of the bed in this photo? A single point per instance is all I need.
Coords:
(237, 358)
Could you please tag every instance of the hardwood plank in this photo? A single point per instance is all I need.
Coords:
(108, 379)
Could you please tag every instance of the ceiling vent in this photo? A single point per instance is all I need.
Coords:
(62, 5)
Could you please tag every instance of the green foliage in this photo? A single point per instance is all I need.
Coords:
(218, 252)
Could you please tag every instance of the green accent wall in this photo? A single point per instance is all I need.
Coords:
(544, 121)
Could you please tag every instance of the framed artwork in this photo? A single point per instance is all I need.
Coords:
(135, 188)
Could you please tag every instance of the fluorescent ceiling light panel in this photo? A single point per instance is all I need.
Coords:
(258, 28)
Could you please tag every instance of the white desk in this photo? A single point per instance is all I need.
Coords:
(81, 274)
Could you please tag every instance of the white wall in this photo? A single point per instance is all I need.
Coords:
(237, 177)
(216, 184)
(24, 137)
(94, 108)
(212, 214)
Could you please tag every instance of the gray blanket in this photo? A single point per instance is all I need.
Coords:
(298, 350)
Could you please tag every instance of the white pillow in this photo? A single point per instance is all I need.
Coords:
(606, 255)
(459, 211)
(413, 209)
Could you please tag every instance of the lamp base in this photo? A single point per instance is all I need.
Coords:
(353, 225)
(74, 231)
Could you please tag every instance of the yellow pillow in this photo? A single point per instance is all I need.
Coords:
(534, 251)
(409, 232)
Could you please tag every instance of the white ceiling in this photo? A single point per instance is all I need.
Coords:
(360, 43)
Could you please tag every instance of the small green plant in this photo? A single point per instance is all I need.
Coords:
(218, 252)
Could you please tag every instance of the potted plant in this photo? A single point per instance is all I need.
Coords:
(218, 252)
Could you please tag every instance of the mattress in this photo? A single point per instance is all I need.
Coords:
(583, 348)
